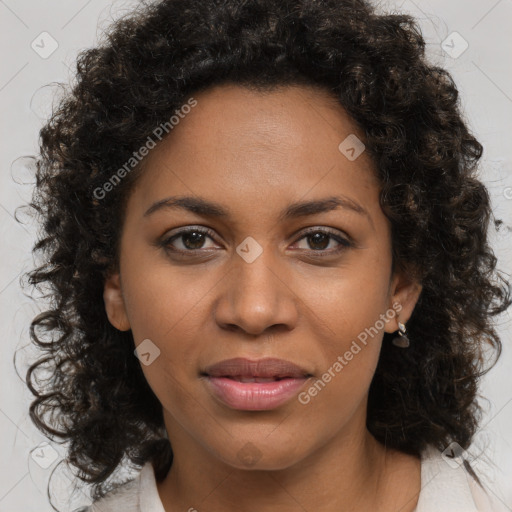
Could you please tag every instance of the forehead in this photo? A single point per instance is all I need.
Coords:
(282, 118)
(263, 146)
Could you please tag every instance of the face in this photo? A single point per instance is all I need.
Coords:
(256, 276)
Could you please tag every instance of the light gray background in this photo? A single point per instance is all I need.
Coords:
(482, 73)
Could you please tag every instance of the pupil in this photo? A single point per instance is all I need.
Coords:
(318, 237)
(196, 238)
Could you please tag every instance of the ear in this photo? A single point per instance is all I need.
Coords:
(114, 303)
(404, 294)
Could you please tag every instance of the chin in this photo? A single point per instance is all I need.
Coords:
(254, 456)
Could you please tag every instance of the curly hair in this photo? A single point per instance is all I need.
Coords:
(148, 64)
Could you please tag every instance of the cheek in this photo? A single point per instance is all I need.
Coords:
(351, 299)
(162, 299)
(166, 306)
(352, 306)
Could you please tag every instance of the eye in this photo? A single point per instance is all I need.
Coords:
(318, 241)
(192, 239)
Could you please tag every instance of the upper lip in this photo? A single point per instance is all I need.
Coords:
(265, 368)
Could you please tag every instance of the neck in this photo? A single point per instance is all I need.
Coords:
(347, 473)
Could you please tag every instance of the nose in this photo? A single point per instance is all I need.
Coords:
(256, 297)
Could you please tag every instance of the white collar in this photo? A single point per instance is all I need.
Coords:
(148, 494)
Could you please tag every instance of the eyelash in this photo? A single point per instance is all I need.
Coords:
(344, 243)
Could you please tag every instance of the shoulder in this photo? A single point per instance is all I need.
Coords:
(125, 497)
(447, 484)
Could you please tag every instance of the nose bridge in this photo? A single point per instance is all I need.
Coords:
(256, 296)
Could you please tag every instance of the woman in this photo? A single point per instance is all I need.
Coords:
(267, 246)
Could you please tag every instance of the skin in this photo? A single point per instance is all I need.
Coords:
(255, 153)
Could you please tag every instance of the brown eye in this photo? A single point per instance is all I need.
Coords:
(318, 240)
(192, 239)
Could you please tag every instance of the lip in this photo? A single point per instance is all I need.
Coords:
(221, 379)
(264, 368)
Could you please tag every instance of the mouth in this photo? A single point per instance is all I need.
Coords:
(240, 378)
(265, 384)
(269, 368)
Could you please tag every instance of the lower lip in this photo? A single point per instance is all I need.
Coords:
(254, 396)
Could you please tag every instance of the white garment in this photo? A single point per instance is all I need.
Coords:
(443, 489)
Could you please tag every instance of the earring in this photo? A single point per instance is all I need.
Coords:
(402, 340)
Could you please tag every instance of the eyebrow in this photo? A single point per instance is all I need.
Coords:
(301, 209)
